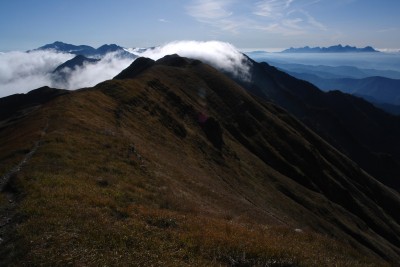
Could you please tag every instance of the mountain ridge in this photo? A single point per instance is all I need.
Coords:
(176, 156)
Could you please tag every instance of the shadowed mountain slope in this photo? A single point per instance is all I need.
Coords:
(16, 105)
(173, 163)
(381, 89)
(75, 62)
(364, 133)
(63, 72)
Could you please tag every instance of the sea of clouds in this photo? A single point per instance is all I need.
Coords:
(21, 72)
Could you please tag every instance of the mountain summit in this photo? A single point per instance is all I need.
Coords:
(174, 163)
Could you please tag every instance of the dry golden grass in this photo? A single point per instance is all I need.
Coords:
(86, 200)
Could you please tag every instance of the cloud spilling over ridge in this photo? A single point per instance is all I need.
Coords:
(220, 55)
(91, 74)
(21, 72)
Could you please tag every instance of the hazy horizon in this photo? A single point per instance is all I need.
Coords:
(241, 49)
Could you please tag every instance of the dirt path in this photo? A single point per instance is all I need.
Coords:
(8, 209)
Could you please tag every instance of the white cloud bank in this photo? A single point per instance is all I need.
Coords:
(91, 74)
(220, 55)
(21, 72)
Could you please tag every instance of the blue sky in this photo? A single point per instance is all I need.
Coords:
(26, 24)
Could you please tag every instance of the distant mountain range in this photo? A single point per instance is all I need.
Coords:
(380, 87)
(86, 50)
(331, 49)
(332, 72)
(85, 55)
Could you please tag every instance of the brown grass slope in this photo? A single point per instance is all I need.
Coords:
(179, 166)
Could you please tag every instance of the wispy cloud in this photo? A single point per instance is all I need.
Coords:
(215, 13)
(287, 17)
(282, 17)
(271, 8)
(205, 10)
(313, 22)
(163, 20)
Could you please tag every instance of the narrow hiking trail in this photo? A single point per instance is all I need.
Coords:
(8, 208)
(6, 177)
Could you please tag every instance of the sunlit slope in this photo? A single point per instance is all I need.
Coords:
(179, 165)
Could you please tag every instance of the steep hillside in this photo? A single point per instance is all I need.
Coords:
(355, 127)
(173, 163)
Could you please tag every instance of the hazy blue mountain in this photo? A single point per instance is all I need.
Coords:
(62, 73)
(381, 89)
(86, 50)
(331, 49)
(77, 61)
(105, 49)
(393, 109)
(69, 48)
(331, 72)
